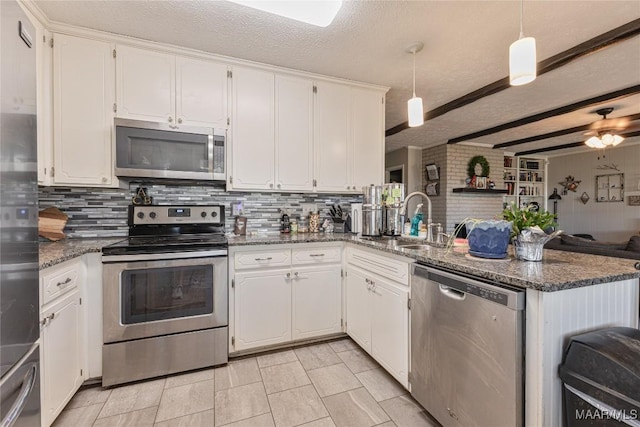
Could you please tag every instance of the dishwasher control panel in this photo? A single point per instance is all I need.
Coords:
(490, 294)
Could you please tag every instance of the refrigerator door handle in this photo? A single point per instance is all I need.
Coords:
(21, 401)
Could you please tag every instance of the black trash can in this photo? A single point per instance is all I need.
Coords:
(600, 372)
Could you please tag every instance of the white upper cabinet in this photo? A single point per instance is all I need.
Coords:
(332, 137)
(146, 85)
(367, 138)
(294, 134)
(83, 97)
(349, 132)
(253, 141)
(201, 92)
(165, 88)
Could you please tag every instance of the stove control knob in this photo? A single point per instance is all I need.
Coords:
(203, 214)
(140, 215)
(152, 215)
(214, 214)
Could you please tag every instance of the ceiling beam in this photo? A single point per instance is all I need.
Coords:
(569, 108)
(619, 34)
(569, 145)
(631, 118)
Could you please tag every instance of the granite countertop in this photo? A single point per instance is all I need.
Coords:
(558, 270)
(52, 253)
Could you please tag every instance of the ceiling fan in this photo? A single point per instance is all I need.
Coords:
(605, 133)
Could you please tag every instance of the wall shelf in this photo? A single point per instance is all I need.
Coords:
(479, 190)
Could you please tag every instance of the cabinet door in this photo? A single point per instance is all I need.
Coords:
(146, 85)
(62, 355)
(294, 134)
(331, 137)
(253, 138)
(262, 308)
(83, 95)
(390, 328)
(367, 138)
(201, 93)
(358, 308)
(317, 301)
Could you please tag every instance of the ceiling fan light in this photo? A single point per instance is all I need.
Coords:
(617, 139)
(522, 61)
(414, 109)
(594, 142)
(607, 139)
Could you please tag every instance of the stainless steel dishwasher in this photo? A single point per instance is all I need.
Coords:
(466, 349)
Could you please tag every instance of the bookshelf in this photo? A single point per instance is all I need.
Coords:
(525, 181)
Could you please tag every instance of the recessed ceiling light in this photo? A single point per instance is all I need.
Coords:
(315, 12)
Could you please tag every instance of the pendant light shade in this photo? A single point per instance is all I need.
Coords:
(416, 115)
(414, 105)
(522, 58)
(522, 61)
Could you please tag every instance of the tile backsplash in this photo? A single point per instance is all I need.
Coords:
(102, 212)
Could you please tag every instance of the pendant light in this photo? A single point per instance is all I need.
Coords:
(522, 57)
(414, 105)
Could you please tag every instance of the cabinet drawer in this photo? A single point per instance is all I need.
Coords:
(320, 255)
(59, 280)
(390, 268)
(267, 258)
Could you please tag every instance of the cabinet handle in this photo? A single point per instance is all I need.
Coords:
(44, 321)
(270, 185)
(65, 282)
(288, 276)
(296, 274)
(367, 281)
(279, 185)
(104, 179)
(51, 316)
(179, 120)
(170, 119)
(316, 255)
(263, 259)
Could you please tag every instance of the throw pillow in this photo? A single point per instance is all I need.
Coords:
(634, 244)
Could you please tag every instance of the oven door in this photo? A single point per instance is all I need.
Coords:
(156, 294)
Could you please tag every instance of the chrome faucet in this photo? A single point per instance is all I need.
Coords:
(403, 207)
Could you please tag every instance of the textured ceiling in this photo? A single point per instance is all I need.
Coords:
(466, 47)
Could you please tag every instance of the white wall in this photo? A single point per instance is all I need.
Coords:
(612, 221)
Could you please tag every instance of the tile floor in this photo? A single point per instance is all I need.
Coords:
(321, 385)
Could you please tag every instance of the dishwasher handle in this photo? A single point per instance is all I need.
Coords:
(452, 293)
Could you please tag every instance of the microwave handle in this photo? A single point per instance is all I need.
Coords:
(210, 152)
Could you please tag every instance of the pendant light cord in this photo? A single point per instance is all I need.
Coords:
(414, 73)
(521, 13)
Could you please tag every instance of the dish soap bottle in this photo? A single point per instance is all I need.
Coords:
(407, 228)
(416, 220)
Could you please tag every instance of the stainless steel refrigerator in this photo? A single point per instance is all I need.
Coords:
(19, 288)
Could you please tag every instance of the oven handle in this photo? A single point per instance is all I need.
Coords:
(164, 256)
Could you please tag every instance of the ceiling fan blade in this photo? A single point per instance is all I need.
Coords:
(610, 124)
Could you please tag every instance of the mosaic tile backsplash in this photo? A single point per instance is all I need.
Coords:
(101, 212)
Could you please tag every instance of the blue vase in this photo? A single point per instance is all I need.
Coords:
(489, 239)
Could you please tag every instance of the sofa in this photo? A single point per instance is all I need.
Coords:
(572, 243)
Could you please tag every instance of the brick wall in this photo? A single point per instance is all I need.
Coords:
(449, 208)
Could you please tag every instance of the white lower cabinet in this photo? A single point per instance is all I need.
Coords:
(300, 298)
(62, 354)
(262, 308)
(316, 301)
(378, 314)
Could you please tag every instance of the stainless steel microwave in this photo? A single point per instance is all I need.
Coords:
(159, 150)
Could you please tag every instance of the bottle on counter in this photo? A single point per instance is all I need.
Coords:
(416, 220)
(407, 228)
(293, 225)
(285, 226)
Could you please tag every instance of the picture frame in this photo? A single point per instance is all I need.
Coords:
(432, 172)
(432, 189)
(481, 182)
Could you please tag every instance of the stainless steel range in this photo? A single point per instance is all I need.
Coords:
(165, 294)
